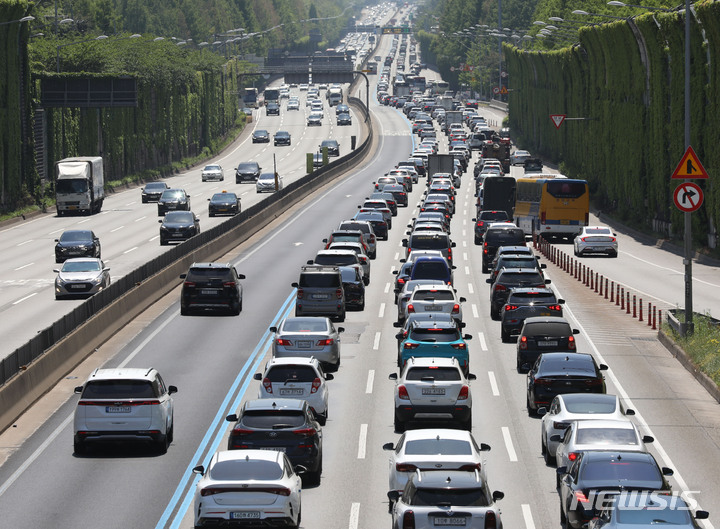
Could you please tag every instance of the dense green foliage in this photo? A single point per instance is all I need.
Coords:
(626, 79)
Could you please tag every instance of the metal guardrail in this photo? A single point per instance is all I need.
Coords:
(679, 326)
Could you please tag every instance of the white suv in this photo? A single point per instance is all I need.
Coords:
(124, 404)
(432, 388)
(294, 377)
(435, 298)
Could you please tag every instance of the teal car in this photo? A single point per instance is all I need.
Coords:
(433, 338)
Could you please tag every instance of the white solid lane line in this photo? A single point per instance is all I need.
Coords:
(370, 381)
(24, 266)
(24, 242)
(362, 443)
(130, 250)
(508, 444)
(25, 298)
(493, 384)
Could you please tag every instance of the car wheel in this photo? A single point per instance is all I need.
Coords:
(366, 280)
(518, 365)
(322, 418)
(485, 269)
(314, 478)
(467, 425)
(494, 313)
(399, 425)
(162, 444)
(236, 308)
(79, 447)
(211, 214)
(549, 458)
(341, 318)
(144, 201)
(163, 242)
(478, 241)
(530, 411)
(184, 311)
(563, 518)
(576, 252)
(614, 254)
(504, 335)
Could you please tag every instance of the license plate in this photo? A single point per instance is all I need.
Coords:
(208, 292)
(72, 207)
(245, 515)
(292, 391)
(544, 314)
(547, 343)
(564, 222)
(176, 235)
(433, 391)
(222, 209)
(117, 409)
(432, 308)
(276, 448)
(321, 296)
(304, 344)
(77, 286)
(449, 521)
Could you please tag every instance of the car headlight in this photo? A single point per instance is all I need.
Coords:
(163, 228)
(96, 280)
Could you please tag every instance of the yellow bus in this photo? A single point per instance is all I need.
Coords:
(551, 205)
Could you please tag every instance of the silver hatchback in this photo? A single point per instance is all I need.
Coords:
(308, 336)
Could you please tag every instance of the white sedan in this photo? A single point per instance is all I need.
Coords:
(248, 486)
(433, 449)
(596, 239)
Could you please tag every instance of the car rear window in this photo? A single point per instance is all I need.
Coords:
(554, 328)
(505, 237)
(531, 297)
(429, 242)
(435, 335)
(319, 280)
(290, 373)
(493, 215)
(591, 404)
(119, 389)
(456, 497)
(305, 325)
(521, 279)
(517, 263)
(433, 295)
(355, 226)
(271, 419)
(442, 374)
(429, 270)
(208, 273)
(336, 259)
(563, 364)
(614, 436)
(447, 447)
(244, 470)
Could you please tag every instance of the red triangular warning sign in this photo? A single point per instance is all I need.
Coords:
(557, 119)
(690, 166)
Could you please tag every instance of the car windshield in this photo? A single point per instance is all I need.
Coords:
(272, 419)
(155, 187)
(222, 197)
(456, 497)
(590, 404)
(433, 295)
(81, 266)
(212, 168)
(600, 436)
(119, 389)
(179, 216)
(171, 194)
(446, 447)
(291, 373)
(248, 167)
(549, 328)
(516, 262)
(71, 185)
(305, 325)
(436, 373)
(76, 236)
(435, 335)
(652, 514)
(493, 215)
(260, 133)
(241, 470)
(429, 242)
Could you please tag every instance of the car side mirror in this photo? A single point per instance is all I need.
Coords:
(359, 207)
(667, 471)
(300, 469)
(474, 219)
(498, 495)
(199, 470)
(294, 285)
(272, 329)
(555, 438)
(629, 411)
(398, 336)
(329, 376)
(310, 261)
(561, 471)
(467, 336)
(340, 329)
(208, 200)
(472, 376)
(648, 439)
(462, 300)
(548, 281)
(393, 376)
(56, 270)
(454, 267)
(701, 515)
(257, 376)
(172, 389)
(183, 276)
(394, 495)
(78, 389)
(388, 446)
(453, 245)
(324, 240)
(160, 221)
(396, 272)
(489, 281)
(232, 417)
(541, 411)
(241, 276)
(576, 331)
(603, 367)
(543, 266)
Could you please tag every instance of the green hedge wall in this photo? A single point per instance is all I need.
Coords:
(626, 79)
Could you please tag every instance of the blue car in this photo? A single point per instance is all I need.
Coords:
(434, 338)
(430, 267)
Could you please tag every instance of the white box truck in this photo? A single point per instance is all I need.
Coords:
(334, 96)
(79, 185)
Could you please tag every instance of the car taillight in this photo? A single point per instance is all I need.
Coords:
(410, 345)
(283, 341)
(593, 382)
(499, 288)
(464, 393)
(339, 293)
(560, 425)
(267, 385)
(542, 382)
(523, 342)
(405, 467)
(572, 456)
(410, 308)
(408, 521)
(328, 341)
(460, 346)
(401, 281)
(189, 284)
(456, 309)
(241, 431)
(481, 223)
(470, 468)
(402, 393)
(306, 432)
(555, 307)
(490, 520)
(230, 284)
(510, 307)
(315, 386)
(300, 293)
(571, 342)
(580, 496)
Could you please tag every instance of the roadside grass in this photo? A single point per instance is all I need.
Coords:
(703, 346)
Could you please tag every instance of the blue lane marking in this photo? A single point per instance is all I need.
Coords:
(220, 416)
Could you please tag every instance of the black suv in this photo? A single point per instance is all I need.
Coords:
(509, 278)
(523, 303)
(320, 292)
(287, 425)
(247, 172)
(272, 109)
(333, 147)
(77, 243)
(594, 474)
(282, 137)
(211, 286)
(483, 220)
(543, 334)
(496, 236)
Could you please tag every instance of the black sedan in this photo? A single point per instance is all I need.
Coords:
(587, 485)
(543, 334)
(272, 109)
(333, 147)
(247, 172)
(342, 108)
(287, 425)
(282, 137)
(173, 200)
(344, 119)
(224, 204)
(152, 191)
(260, 136)
(76, 243)
(178, 226)
(558, 373)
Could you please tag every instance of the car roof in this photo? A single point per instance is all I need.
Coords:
(528, 271)
(336, 252)
(274, 404)
(545, 319)
(432, 361)
(604, 423)
(437, 433)
(526, 290)
(434, 324)
(591, 455)
(292, 361)
(133, 373)
(584, 397)
(249, 454)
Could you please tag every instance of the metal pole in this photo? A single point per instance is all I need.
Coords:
(500, 49)
(689, 327)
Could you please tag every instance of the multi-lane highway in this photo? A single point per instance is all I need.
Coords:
(212, 358)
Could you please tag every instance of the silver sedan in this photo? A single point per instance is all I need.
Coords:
(81, 277)
(596, 239)
(308, 336)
